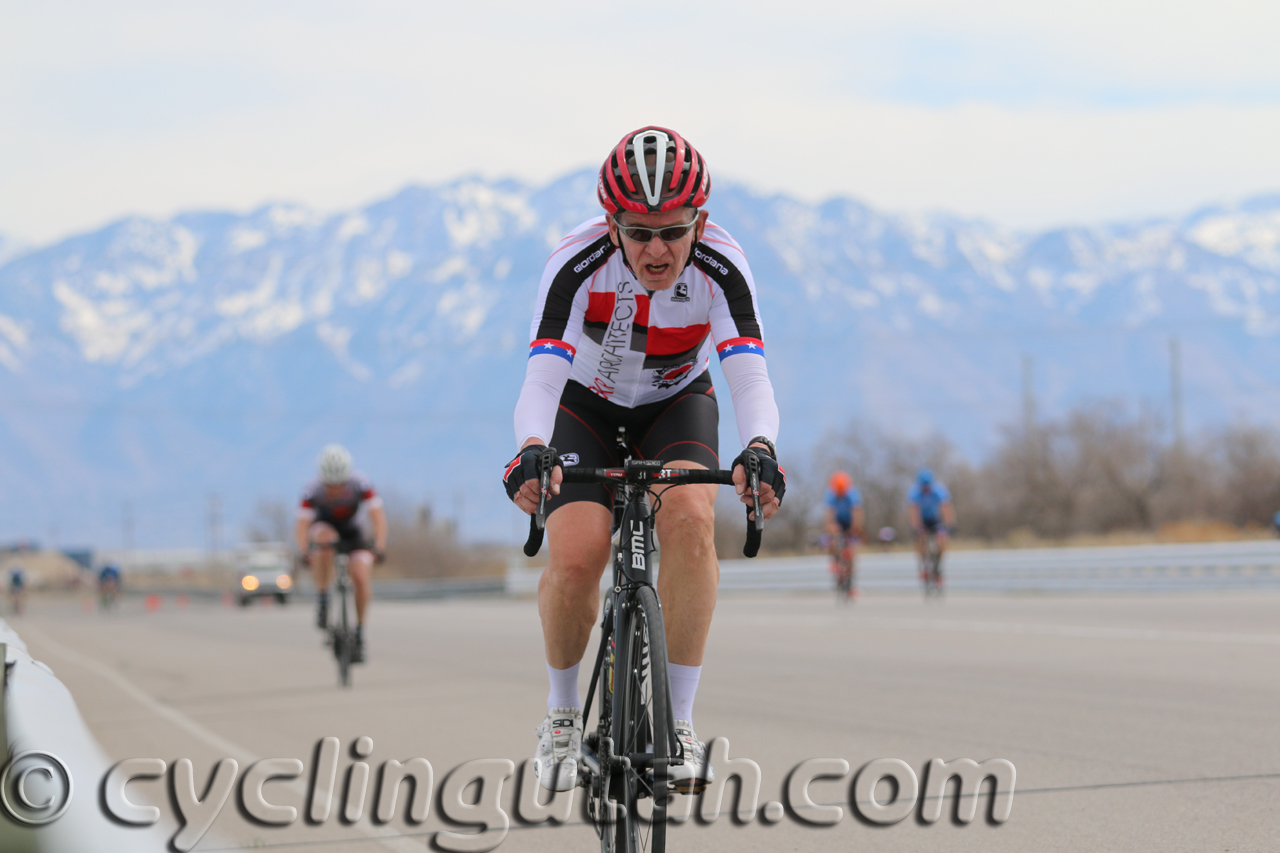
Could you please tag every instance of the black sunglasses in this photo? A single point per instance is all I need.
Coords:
(669, 234)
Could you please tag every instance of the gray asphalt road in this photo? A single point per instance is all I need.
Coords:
(1135, 722)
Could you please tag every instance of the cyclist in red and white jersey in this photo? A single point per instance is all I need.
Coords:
(327, 516)
(631, 307)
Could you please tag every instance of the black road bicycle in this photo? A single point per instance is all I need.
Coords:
(842, 567)
(627, 756)
(931, 565)
(340, 635)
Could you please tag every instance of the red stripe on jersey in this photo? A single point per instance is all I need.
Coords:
(555, 343)
(671, 341)
(593, 235)
(642, 309)
(733, 342)
(600, 308)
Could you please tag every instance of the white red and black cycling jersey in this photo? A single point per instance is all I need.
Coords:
(340, 508)
(594, 324)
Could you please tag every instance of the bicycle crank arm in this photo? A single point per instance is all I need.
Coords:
(589, 760)
(646, 759)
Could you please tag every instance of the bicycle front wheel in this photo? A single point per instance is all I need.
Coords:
(642, 728)
(344, 640)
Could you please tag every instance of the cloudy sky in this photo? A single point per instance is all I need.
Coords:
(1029, 113)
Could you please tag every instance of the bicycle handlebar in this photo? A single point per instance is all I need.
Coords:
(651, 473)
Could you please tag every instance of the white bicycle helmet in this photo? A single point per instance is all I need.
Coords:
(334, 465)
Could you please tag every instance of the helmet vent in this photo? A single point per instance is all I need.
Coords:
(649, 149)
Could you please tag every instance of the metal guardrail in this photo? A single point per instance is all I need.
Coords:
(438, 587)
(389, 589)
(1136, 568)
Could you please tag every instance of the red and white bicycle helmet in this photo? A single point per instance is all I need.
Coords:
(653, 170)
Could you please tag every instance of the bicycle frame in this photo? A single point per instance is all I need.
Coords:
(631, 561)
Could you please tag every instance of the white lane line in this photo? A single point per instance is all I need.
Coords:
(224, 747)
(1087, 632)
(978, 627)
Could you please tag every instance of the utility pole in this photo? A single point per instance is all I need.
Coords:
(215, 525)
(459, 508)
(1175, 390)
(126, 526)
(1028, 396)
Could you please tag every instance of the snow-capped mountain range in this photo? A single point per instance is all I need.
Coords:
(155, 362)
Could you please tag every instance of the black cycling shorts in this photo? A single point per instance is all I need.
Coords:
(684, 428)
(350, 536)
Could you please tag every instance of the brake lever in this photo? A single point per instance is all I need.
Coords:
(544, 486)
(538, 521)
(756, 512)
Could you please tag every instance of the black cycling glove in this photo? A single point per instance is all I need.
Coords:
(523, 467)
(770, 471)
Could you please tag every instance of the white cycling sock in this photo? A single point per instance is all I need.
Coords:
(564, 688)
(684, 686)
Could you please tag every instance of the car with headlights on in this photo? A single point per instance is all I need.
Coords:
(264, 571)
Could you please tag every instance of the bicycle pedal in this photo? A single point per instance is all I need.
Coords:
(689, 786)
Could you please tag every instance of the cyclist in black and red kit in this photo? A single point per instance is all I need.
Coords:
(327, 516)
(630, 309)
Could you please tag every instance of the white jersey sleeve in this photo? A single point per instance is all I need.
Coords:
(737, 331)
(563, 297)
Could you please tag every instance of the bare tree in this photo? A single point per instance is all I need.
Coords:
(1103, 466)
(1250, 461)
(421, 545)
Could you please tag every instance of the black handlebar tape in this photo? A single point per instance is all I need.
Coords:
(534, 542)
(686, 475)
(752, 547)
(583, 475)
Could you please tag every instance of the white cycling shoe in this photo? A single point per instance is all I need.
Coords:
(689, 778)
(559, 749)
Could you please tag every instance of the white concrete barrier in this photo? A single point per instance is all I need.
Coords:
(40, 716)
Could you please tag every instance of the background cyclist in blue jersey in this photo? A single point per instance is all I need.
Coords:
(929, 510)
(17, 589)
(109, 583)
(844, 506)
(843, 520)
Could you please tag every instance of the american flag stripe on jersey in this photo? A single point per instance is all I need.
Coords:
(734, 346)
(550, 346)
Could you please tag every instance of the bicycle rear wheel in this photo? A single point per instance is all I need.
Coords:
(642, 726)
(343, 640)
